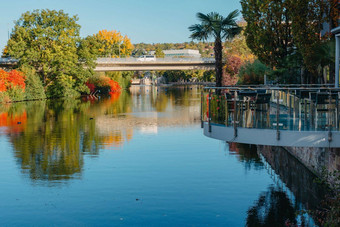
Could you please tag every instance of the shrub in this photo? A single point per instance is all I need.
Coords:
(103, 85)
(12, 86)
(34, 87)
(252, 73)
(123, 78)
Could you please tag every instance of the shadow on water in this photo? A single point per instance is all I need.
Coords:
(247, 154)
(292, 193)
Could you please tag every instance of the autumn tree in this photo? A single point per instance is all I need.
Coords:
(279, 32)
(238, 46)
(230, 70)
(307, 18)
(268, 31)
(113, 44)
(48, 41)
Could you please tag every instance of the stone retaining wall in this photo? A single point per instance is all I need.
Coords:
(315, 159)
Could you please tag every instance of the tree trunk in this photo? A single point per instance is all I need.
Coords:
(218, 61)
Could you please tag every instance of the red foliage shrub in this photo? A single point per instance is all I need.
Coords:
(231, 70)
(16, 78)
(11, 79)
(104, 81)
(92, 87)
(114, 85)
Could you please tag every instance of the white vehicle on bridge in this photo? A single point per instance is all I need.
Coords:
(147, 58)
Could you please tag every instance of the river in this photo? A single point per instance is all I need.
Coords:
(140, 158)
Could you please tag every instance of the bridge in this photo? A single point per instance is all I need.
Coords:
(135, 64)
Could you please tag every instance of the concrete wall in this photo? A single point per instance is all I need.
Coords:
(317, 158)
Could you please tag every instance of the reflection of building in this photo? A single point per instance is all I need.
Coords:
(180, 53)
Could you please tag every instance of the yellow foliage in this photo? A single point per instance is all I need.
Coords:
(114, 44)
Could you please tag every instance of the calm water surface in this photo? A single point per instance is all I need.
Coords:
(139, 159)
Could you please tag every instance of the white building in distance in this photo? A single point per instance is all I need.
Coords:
(184, 53)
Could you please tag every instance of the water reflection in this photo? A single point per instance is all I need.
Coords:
(247, 154)
(294, 188)
(51, 137)
(273, 208)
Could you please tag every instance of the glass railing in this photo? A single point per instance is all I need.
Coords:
(312, 108)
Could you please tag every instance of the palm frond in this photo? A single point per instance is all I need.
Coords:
(199, 32)
(231, 32)
(231, 18)
(205, 19)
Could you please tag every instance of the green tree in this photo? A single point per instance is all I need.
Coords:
(49, 41)
(268, 31)
(307, 18)
(159, 53)
(34, 87)
(281, 31)
(214, 25)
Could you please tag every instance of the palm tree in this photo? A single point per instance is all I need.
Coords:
(214, 25)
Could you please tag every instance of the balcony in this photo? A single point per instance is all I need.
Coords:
(276, 116)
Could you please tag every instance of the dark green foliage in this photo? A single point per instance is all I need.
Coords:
(252, 73)
(278, 31)
(175, 76)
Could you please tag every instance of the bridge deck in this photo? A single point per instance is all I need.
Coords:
(134, 64)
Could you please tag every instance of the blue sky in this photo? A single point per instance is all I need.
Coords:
(148, 21)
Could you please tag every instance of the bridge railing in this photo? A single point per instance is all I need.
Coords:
(281, 108)
(8, 61)
(156, 60)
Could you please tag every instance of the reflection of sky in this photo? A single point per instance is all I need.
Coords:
(151, 129)
(146, 173)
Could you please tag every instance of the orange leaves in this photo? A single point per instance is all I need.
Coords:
(114, 86)
(11, 79)
(102, 82)
(17, 78)
(15, 122)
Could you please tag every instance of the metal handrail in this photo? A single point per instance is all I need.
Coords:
(299, 113)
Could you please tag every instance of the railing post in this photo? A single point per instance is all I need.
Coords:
(202, 100)
(290, 103)
(235, 114)
(277, 115)
(329, 116)
(209, 111)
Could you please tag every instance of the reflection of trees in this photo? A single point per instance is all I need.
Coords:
(160, 102)
(247, 154)
(56, 134)
(53, 135)
(273, 208)
(185, 95)
(295, 175)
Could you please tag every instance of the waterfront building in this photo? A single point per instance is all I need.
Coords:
(183, 53)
